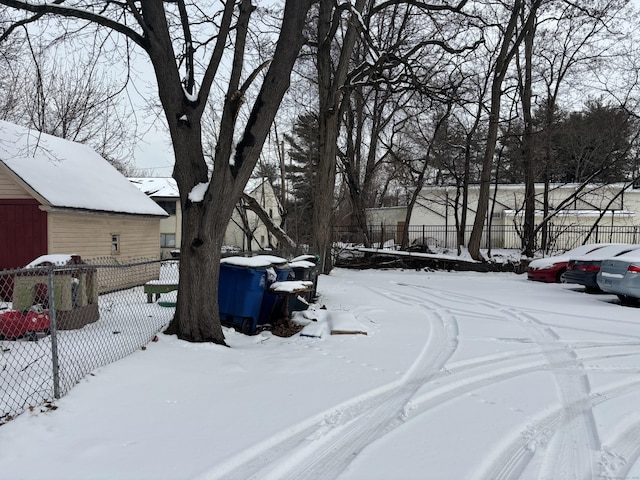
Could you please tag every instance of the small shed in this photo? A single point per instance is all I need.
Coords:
(61, 197)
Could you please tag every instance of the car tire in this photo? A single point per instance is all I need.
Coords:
(629, 301)
(560, 276)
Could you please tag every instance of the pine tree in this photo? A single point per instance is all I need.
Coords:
(303, 155)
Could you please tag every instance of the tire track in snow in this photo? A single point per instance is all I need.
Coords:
(511, 461)
(575, 454)
(340, 446)
(332, 453)
(618, 457)
(322, 447)
(570, 451)
(474, 301)
(333, 433)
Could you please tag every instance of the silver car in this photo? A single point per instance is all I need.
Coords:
(621, 276)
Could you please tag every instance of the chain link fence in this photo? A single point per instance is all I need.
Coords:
(58, 322)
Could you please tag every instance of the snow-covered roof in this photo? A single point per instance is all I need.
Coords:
(539, 186)
(157, 186)
(66, 174)
(167, 187)
(577, 213)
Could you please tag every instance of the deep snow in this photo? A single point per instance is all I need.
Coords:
(460, 376)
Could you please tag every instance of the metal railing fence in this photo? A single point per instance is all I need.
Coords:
(560, 237)
(60, 322)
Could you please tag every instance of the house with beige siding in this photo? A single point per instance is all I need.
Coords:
(61, 197)
(245, 231)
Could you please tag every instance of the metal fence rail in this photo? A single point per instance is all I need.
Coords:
(560, 237)
(58, 323)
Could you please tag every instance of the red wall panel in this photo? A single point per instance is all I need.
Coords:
(23, 232)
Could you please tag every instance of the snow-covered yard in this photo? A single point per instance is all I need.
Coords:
(460, 376)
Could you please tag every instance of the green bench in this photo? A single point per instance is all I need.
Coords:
(157, 288)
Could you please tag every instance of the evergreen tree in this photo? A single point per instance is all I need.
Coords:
(300, 173)
(594, 145)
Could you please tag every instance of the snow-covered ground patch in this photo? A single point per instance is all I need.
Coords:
(459, 376)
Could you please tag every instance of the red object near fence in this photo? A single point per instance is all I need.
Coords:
(13, 324)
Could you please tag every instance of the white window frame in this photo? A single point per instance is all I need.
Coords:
(165, 235)
(115, 244)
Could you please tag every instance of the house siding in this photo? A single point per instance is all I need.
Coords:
(9, 189)
(386, 215)
(171, 224)
(89, 235)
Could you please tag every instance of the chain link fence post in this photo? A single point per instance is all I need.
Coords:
(53, 334)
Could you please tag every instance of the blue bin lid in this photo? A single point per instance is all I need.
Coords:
(246, 262)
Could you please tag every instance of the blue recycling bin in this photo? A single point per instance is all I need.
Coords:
(240, 295)
(273, 305)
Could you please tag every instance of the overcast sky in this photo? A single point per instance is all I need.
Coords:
(153, 156)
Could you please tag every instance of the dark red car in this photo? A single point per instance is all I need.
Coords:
(551, 269)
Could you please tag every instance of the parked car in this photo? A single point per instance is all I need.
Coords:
(621, 276)
(584, 270)
(550, 269)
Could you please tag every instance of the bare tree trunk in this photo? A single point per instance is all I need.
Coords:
(330, 81)
(509, 47)
(462, 225)
(528, 234)
(205, 219)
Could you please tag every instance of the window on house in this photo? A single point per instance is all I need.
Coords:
(115, 243)
(168, 206)
(167, 240)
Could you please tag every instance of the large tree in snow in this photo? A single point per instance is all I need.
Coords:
(187, 44)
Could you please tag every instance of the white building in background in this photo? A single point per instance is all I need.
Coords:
(245, 230)
(573, 205)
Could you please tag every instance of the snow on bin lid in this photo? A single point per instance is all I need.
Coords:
(257, 261)
(291, 286)
(248, 262)
(301, 264)
(272, 259)
(310, 258)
